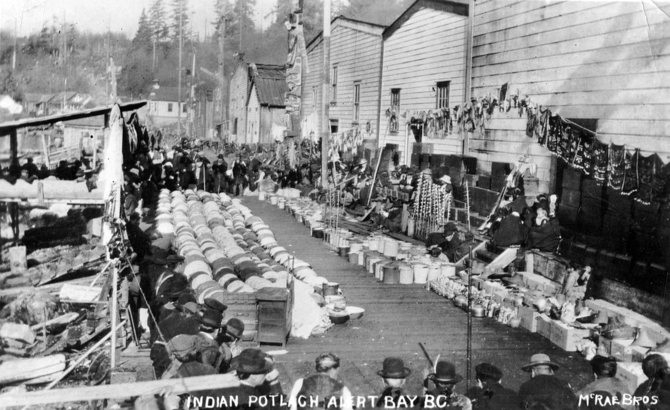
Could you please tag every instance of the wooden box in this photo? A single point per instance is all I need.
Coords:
(567, 337)
(544, 326)
(631, 374)
(274, 314)
(529, 318)
(621, 350)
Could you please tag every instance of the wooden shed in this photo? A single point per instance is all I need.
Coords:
(423, 72)
(266, 102)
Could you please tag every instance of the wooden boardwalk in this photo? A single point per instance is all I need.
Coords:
(397, 318)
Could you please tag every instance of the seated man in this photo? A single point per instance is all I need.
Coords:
(448, 241)
(545, 235)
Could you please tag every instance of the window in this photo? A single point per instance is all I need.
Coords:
(333, 100)
(357, 101)
(169, 107)
(184, 106)
(394, 124)
(442, 94)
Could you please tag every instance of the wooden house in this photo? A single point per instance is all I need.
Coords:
(164, 105)
(238, 95)
(423, 74)
(266, 106)
(355, 58)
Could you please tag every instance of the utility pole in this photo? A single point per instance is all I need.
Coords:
(222, 77)
(325, 117)
(107, 59)
(14, 54)
(179, 77)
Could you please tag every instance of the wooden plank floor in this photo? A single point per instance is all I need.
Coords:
(397, 318)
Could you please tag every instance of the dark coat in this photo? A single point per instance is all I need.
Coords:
(244, 392)
(494, 397)
(549, 390)
(139, 240)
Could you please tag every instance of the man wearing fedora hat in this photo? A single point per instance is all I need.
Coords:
(489, 393)
(447, 240)
(394, 374)
(259, 385)
(444, 378)
(544, 387)
(211, 323)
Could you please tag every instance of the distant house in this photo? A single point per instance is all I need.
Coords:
(31, 101)
(266, 102)
(68, 101)
(164, 106)
(355, 58)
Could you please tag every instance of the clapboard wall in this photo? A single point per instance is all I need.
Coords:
(425, 46)
(237, 106)
(253, 118)
(607, 61)
(355, 49)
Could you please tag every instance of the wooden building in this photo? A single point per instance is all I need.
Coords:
(423, 73)
(164, 106)
(238, 95)
(266, 102)
(355, 52)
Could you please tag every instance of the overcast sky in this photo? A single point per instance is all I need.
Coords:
(97, 15)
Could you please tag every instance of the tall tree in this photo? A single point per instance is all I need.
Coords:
(143, 38)
(179, 6)
(158, 21)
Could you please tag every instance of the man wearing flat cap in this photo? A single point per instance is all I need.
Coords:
(544, 387)
(258, 380)
(448, 240)
(394, 374)
(444, 378)
(489, 394)
(229, 347)
(211, 323)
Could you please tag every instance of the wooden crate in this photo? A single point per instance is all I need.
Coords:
(529, 318)
(631, 373)
(567, 337)
(543, 326)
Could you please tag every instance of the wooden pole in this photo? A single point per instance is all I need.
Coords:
(222, 77)
(325, 117)
(179, 77)
(469, 346)
(118, 391)
(114, 315)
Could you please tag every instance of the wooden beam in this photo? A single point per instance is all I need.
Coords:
(120, 391)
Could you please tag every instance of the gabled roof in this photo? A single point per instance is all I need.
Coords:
(170, 94)
(58, 98)
(32, 97)
(270, 82)
(459, 7)
(364, 26)
(46, 98)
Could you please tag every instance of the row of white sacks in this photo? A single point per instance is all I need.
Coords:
(227, 249)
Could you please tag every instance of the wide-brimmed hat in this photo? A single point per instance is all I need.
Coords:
(445, 372)
(235, 328)
(252, 361)
(394, 368)
(488, 371)
(450, 228)
(540, 359)
(446, 179)
(210, 317)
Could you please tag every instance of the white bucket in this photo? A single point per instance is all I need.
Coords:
(381, 241)
(391, 248)
(406, 274)
(273, 200)
(420, 274)
(282, 204)
(371, 264)
(373, 244)
(261, 196)
(355, 247)
(434, 272)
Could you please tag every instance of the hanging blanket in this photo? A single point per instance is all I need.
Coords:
(583, 155)
(662, 185)
(616, 166)
(542, 126)
(531, 121)
(630, 180)
(555, 131)
(565, 144)
(599, 161)
(647, 168)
